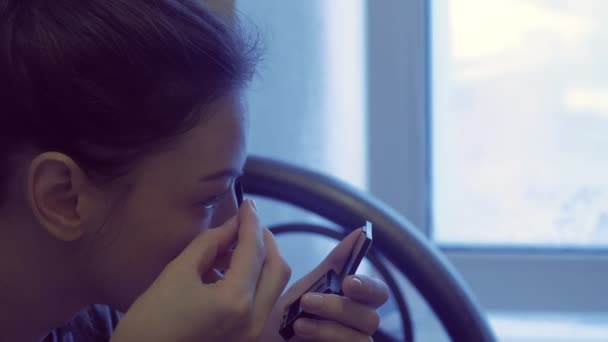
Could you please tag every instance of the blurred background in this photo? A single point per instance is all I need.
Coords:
(484, 123)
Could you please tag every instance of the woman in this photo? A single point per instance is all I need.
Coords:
(122, 132)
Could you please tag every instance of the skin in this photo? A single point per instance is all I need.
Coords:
(149, 235)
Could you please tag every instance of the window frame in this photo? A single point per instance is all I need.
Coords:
(399, 82)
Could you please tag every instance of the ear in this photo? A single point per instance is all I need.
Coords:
(60, 195)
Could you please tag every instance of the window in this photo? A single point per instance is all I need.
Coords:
(421, 120)
(520, 123)
(395, 99)
(308, 102)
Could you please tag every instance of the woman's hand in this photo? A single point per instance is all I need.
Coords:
(180, 306)
(352, 317)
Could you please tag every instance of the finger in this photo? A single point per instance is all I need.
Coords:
(212, 276)
(339, 255)
(365, 290)
(249, 253)
(222, 262)
(273, 279)
(342, 310)
(200, 254)
(327, 331)
(334, 260)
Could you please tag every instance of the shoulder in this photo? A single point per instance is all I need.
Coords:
(95, 323)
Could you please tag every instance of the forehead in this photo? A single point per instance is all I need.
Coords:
(216, 142)
(219, 135)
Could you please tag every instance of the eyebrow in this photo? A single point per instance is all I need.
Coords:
(226, 173)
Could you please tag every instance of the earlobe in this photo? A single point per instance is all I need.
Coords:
(57, 193)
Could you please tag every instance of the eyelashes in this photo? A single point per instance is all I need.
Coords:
(236, 186)
(211, 202)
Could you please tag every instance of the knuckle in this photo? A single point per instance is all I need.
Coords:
(260, 248)
(254, 332)
(329, 332)
(237, 308)
(380, 290)
(285, 270)
(242, 307)
(373, 323)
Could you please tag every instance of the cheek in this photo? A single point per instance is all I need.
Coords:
(139, 242)
(160, 235)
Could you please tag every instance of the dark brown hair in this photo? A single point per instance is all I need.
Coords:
(104, 80)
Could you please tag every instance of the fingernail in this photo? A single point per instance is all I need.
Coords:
(357, 284)
(231, 220)
(253, 204)
(305, 327)
(312, 301)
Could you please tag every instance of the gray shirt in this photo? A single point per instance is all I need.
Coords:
(93, 324)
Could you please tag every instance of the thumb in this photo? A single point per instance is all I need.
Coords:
(201, 253)
(339, 255)
(335, 260)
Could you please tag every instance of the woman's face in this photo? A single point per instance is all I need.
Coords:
(173, 195)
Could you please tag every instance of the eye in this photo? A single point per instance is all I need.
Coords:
(213, 201)
(235, 185)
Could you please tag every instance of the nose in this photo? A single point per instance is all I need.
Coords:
(229, 205)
